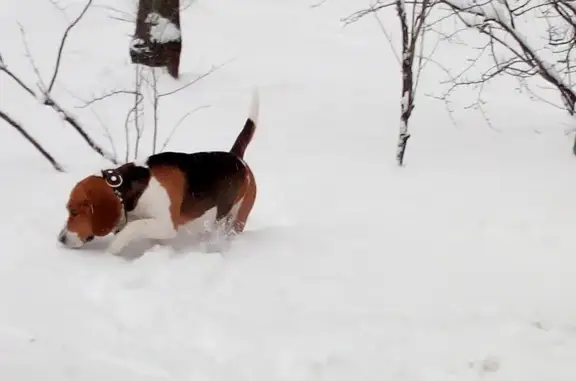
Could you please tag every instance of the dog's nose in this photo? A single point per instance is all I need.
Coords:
(62, 237)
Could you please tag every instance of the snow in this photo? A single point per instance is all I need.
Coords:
(490, 9)
(457, 267)
(161, 29)
(41, 97)
(405, 102)
(137, 45)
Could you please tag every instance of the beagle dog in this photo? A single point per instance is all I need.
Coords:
(152, 200)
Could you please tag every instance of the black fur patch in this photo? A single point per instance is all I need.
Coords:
(212, 178)
(128, 182)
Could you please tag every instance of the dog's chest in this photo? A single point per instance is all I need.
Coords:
(154, 202)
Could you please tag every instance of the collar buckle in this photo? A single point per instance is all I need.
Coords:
(114, 180)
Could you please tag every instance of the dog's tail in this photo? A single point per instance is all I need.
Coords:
(245, 136)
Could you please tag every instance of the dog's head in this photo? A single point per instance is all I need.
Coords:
(94, 210)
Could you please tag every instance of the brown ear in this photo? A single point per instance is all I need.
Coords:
(106, 210)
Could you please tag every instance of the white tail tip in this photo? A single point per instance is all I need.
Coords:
(255, 106)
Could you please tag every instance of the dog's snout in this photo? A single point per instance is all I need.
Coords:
(62, 237)
(70, 239)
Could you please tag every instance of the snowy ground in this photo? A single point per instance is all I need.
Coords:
(457, 267)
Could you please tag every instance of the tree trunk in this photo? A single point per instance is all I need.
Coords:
(407, 100)
(157, 40)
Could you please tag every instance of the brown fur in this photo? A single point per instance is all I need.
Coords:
(184, 209)
(172, 179)
(247, 202)
(193, 210)
(94, 209)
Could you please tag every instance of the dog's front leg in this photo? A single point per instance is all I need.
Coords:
(149, 228)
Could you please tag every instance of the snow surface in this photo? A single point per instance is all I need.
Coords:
(162, 30)
(459, 266)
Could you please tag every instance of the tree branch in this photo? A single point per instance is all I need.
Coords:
(178, 124)
(63, 42)
(44, 96)
(57, 166)
(197, 79)
(109, 95)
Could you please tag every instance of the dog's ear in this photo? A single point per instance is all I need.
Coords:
(106, 210)
(112, 177)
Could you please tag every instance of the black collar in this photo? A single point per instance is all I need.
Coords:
(115, 181)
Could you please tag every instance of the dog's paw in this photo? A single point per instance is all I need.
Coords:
(115, 248)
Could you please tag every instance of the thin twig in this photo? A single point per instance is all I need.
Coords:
(127, 133)
(388, 38)
(63, 41)
(179, 123)
(107, 133)
(155, 101)
(197, 79)
(137, 101)
(108, 95)
(31, 58)
(318, 4)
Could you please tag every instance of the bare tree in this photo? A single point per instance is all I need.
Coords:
(413, 31)
(44, 90)
(544, 49)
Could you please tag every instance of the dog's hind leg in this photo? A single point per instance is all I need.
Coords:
(246, 204)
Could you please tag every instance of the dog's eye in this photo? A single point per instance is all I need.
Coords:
(73, 212)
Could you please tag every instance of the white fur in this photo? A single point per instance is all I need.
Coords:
(218, 237)
(152, 219)
(235, 209)
(254, 106)
(72, 239)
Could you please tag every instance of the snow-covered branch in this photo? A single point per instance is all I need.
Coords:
(543, 49)
(529, 40)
